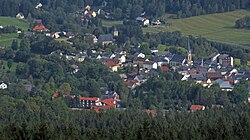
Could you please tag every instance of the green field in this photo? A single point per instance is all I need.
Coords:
(22, 24)
(110, 23)
(6, 39)
(214, 27)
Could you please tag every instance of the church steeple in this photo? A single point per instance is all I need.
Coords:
(189, 55)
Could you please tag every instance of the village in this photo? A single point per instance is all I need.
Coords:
(135, 69)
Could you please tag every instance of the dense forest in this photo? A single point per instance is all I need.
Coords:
(36, 118)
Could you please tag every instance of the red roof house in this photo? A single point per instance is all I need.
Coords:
(40, 28)
(197, 107)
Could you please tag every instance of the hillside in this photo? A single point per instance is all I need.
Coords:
(4, 21)
(6, 39)
(214, 26)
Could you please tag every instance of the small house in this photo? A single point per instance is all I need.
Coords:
(106, 39)
(197, 107)
(3, 86)
(20, 16)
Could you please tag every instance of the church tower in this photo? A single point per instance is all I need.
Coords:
(189, 55)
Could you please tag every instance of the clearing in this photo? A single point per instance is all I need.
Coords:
(219, 27)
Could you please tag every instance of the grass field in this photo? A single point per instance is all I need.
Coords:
(6, 39)
(110, 23)
(214, 27)
(22, 24)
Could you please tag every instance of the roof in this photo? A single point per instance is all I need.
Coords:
(197, 107)
(40, 28)
(178, 58)
(106, 37)
(88, 98)
(152, 113)
(214, 75)
(110, 63)
(164, 68)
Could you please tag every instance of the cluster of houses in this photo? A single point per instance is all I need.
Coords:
(107, 101)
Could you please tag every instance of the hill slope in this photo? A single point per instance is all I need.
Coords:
(6, 39)
(214, 26)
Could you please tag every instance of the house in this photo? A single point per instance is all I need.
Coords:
(148, 65)
(105, 105)
(39, 5)
(225, 60)
(156, 22)
(106, 39)
(152, 113)
(20, 16)
(143, 21)
(70, 35)
(177, 60)
(40, 28)
(87, 102)
(131, 84)
(197, 107)
(165, 68)
(115, 31)
(224, 85)
(55, 35)
(3, 85)
(28, 87)
(112, 65)
(213, 75)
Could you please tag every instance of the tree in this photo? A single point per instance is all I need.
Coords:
(65, 88)
(14, 44)
(25, 45)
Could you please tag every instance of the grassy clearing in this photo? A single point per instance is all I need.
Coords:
(214, 27)
(162, 48)
(109, 23)
(22, 24)
(6, 39)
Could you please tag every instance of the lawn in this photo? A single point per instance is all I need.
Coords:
(22, 24)
(6, 39)
(109, 23)
(217, 27)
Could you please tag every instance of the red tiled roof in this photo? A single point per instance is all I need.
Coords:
(152, 113)
(197, 107)
(193, 71)
(40, 28)
(55, 95)
(110, 63)
(88, 98)
(109, 102)
(130, 82)
(164, 68)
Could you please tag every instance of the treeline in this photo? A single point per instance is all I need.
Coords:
(8, 29)
(243, 23)
(37, 118)
(156, 8)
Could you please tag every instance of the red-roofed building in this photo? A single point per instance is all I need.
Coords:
(164, 68)
(88, 102)
(197, 107)
(40, 28)
(55, 95)
(152, 113)
(111, 64)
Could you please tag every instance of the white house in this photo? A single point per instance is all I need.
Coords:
(20, 16)
(149, 65)
(3, 86)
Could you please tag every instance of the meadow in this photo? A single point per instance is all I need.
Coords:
(219, 27)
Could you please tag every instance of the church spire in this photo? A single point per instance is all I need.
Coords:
(190, 62)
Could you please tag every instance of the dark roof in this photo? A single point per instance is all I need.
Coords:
(106, 37)
(178, 58)
(214, 75)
